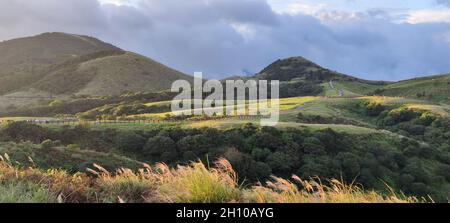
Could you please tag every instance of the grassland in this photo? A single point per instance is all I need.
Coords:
(194, 183)
(434, 88)
(348, 88)
(335, 108)
(53, 155)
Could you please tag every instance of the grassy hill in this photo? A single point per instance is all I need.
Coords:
(108, 73)
(35, 70)
(63, 64)
(300, 77)
(24, 60)
(433, 88)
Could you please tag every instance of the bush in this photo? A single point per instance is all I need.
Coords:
(280, 162)
(160, 148)
(374, 108)
(25, 131)
(130, 141)
(47, 144)
(350, 165)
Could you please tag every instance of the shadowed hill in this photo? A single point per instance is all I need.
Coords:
(299, 68)
(300, 77)
(67, 64)
(23, 60)
(108, 73)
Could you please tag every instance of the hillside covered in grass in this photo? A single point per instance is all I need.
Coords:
(36, 70)
(193, 183)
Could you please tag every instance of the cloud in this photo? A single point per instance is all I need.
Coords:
(443, 2)
(429, 16)
(228, 37)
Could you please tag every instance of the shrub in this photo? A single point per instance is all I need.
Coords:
(161, 148)
(47, 144)
(374, 108)
(130, 141)
(25, 131)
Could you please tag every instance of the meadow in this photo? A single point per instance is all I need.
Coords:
(193, 183)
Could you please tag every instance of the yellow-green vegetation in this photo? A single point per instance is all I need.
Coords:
(285, 104)
(194, 183)
(235, 123)
(441, 110)
(385, 100)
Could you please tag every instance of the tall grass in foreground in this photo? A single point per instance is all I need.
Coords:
(190, 183)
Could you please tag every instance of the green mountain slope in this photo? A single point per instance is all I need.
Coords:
(23, 61)
(108, 73)
(434, 88)
(301, 77)
(66, 64)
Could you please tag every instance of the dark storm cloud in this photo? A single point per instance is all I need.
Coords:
(228, 37)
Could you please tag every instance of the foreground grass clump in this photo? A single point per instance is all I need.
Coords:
(25, 193)
(193, 183)
(197, 184)
(313, 191)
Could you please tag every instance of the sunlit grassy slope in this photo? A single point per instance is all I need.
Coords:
(339, 109)
(194, 183)
(348, 88)
(434, 88)
(285, 104)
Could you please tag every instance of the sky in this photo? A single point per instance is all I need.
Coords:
(371, 39)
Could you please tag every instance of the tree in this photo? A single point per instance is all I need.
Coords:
(246, 166)
(350, 164)
(374, 108)
(25, 131)
(260, 154)
(280, 162)
(194, 143)
(130, 141)
(312, 145)
(322, 166)
(160, 148)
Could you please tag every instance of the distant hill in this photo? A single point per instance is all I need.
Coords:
(299, 77)
(67, 64)
(432, 88)
(23, 61)
(299, 68)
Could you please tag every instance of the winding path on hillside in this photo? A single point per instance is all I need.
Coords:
(340, 91)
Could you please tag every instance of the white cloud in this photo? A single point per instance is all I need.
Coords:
(247, 31)
(304, 8)
(118, 2)
(429, 16)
